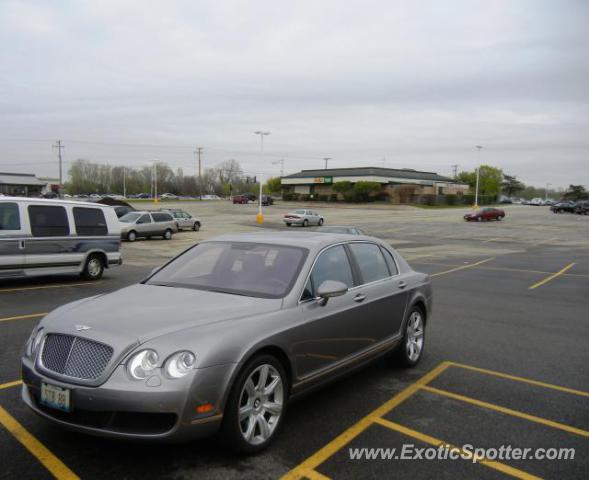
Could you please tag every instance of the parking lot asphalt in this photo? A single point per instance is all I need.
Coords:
(505, 361)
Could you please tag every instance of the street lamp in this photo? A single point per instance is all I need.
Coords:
(546, 192)
(326, 159)
(262, 135)
(476, 192)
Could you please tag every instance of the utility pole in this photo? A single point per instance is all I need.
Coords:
(198, 151)
(281, 162)
(326, 159)
(59, 147)
(455, 170)
(262, 135)
(125, 182)
(476, 192)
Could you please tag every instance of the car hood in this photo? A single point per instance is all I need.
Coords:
(141, 312)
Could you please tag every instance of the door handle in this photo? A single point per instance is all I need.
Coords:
(402, 284)
(360, 297)
(21, 244)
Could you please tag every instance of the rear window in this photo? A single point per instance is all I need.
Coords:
(369, 258)
(9, 216)
(48, 221)
(90, 221)
(161, 217)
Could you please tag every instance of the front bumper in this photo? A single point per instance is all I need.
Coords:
(124, 408)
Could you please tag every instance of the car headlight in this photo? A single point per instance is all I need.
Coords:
(33, 343)
(142, 364)
(179, 364)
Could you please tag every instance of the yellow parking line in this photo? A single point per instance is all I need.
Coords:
(23, 317)
(507, 411)
(552, 277)
(57, 468)
(463, 267)
(514, 472)
(313, 475)
(503, 269)
(10, 384)
(341, 440)
(521, 379)
(43, 287)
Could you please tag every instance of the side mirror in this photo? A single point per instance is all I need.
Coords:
(329, 289)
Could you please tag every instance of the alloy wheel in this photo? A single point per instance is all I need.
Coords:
(414, 337)
(261, 404)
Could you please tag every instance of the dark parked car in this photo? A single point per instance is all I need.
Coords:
(582, 208)
(485, 214)
(267, 200)
(241, 199)
(221, 337)
(561, 207)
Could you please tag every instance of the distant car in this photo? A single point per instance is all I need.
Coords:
(485, 214)
(582, 207)
(340, 229)
(184, 221)
(561, 207)
(303, 217)
(169, 196)
(147, 225)
(267, 200)
(143, 195)
(251, 196)
(240, 199)
(210, 197)
(506, 201)
(536, 202)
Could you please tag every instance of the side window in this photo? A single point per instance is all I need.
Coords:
(332, 264)
(144, 219)
(9, 216)
(390, 261)
(90, 221)
(308, 291)
(369, 258)
(48, 221)
(161, 217)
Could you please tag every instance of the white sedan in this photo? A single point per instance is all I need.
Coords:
(304, 217)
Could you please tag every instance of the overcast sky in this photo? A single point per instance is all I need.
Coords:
(414, 84)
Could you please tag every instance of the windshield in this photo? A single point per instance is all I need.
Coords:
(241, 268)
(129, 217)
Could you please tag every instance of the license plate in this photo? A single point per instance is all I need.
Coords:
(55, 397)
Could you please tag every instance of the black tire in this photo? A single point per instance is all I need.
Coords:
(320, 221)
(499, 217)
(479, 219)
(401, 353)
(94, 268)
(231, 434)
(305, 223)
(288, 224)
(132, 236)
(168, 234)
(196, 226)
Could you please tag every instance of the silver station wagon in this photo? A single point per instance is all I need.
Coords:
(147, 224)
(50, 237)
(221, 337)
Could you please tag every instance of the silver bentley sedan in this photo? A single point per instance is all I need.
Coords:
(222, 336)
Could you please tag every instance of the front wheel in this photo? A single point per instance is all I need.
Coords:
(499, 217)
(132, 236)
(168, 234)
(256, 405)
(94, 268)
(196, 226)
(411, 348)
(320, 221)
(305, 223)
(479, 219)
(288, 224)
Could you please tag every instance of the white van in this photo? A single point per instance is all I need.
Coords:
(49, 237)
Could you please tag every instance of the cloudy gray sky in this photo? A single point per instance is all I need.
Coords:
(413, 84)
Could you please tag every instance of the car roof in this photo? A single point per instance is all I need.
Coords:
(54, 201)
(311, 240)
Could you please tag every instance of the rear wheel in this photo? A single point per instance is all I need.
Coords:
(499, 217)
(256, 405)
(168, 234)
(196, 226)
(288, 224)
(132, 236)
(411, 348)
(94, 268)
(479, 219)
(320, 221)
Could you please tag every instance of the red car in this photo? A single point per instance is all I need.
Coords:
(485, 214)
(240, 199)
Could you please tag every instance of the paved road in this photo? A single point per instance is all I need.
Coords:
(507, 346)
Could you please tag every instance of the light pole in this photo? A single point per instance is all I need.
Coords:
(262, 135)
(326, 159)
(546, 192)
(155, 200)
(476, 191)
(125, 182)
(281, 162)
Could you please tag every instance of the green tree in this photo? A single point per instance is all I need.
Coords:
(342, 187)
(489, 180)
(511, 185)
(363, 189)
(576, 192)
(273, 185)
